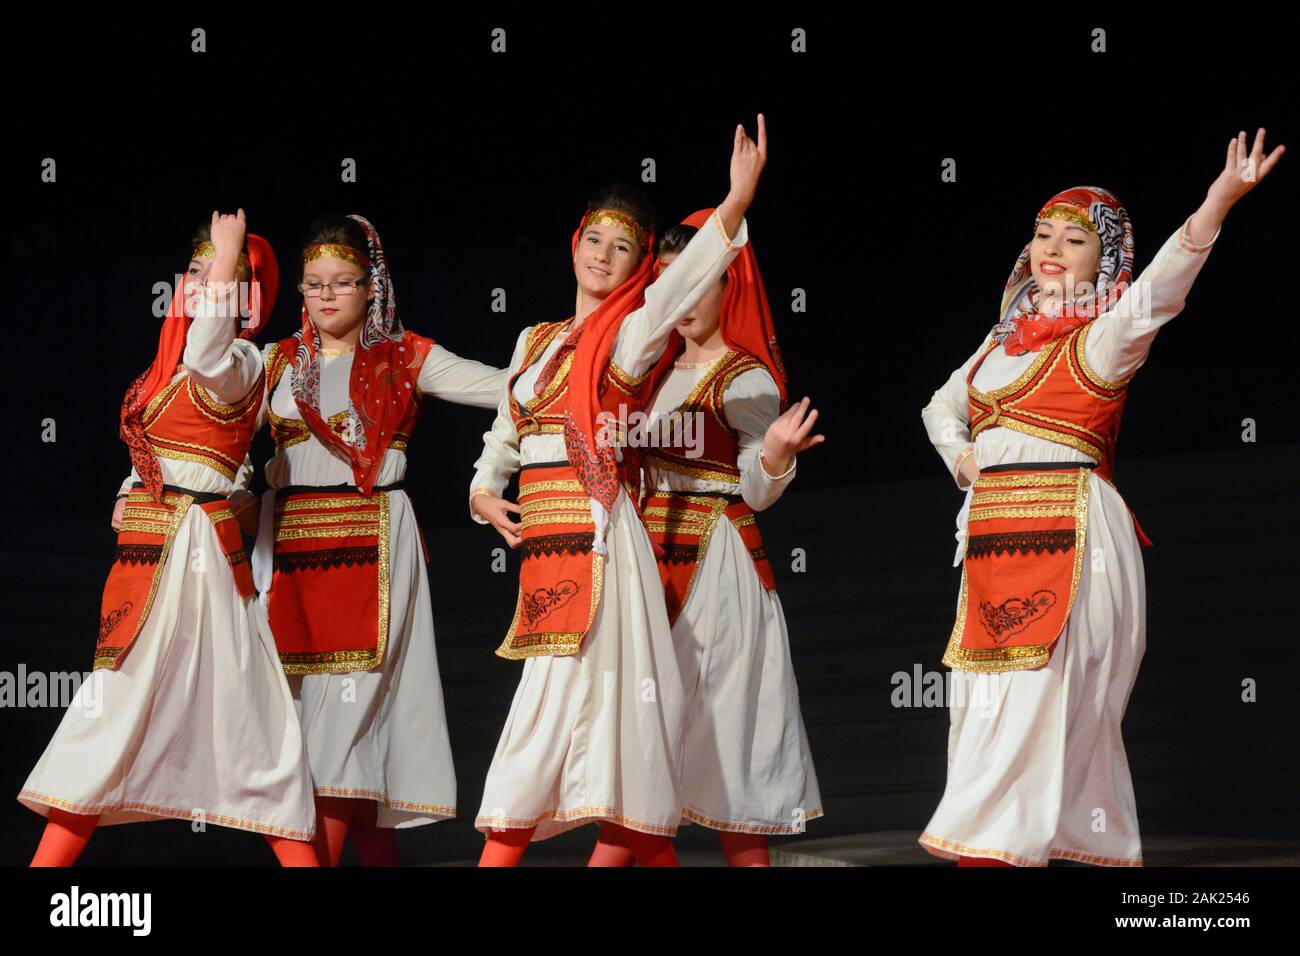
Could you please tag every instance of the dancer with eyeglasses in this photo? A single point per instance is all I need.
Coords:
(340, 559)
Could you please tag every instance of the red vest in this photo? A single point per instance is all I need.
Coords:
(1059, 398)
(681, 523)
(560, 580)
(184, 422)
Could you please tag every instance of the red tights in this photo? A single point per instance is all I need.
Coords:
(66, 835)
(506, 847)
(337, 818)
(980, 861)
(741, 849)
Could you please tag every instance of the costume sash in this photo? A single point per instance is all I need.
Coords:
(1025, 546)
(143, 546)
(328, 603)
(682, 524)
(559, 578)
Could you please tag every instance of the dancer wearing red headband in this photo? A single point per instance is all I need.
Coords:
(594, 728)
(187, 713)
(340, 558)
(721, 445)
(1051, 620)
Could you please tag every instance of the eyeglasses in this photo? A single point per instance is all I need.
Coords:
(338, 286)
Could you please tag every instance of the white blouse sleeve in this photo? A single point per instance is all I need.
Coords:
(215, 357)
(451, 378)
(130, 480)
(947, 417)
(643, 334)
(1118, 340)
(751, 403)
(500, 457)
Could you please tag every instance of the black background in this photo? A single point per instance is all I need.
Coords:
(475, 167)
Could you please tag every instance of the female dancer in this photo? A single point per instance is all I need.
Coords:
(339, 557)
(718, 424)
(1051, 616)
(187, 713)
(594, 728)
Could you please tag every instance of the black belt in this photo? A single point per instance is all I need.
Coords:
(200, 497)
(326, 489)
(1039, 466)
(730, 499)
(546, 464)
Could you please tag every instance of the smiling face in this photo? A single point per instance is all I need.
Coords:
(606, 256)
(1064, 259)
(335, 314)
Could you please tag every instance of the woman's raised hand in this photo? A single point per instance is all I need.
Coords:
(228, 234)
(495, 511)
(747, 160)
(1242, 170)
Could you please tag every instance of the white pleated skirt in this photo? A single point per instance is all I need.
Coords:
(196, 722)
(596, 736)
(1036, 762)
(382, 735)
(746, 765)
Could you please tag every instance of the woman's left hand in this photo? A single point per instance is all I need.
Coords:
(789, 435)
(1242, 170)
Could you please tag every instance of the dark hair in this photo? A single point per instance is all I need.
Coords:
(338, 230)
(627, 199)
(675, 238)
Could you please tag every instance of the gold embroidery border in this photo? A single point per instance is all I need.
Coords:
(776, 829)
(171, 812)
(340, 662)
(485, 824)
(431, 809)
(951, 848)
(182, 503)
(1028, 656)
(561, 643)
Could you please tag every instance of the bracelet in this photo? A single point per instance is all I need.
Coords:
(481, 491)
(762, 463)
(956, 467)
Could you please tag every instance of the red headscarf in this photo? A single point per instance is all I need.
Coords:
(594, 460)
(744, 318)
(1025, 329)
(263, 286)
(384, 378)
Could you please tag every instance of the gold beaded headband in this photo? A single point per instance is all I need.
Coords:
(1069, 214)
(612, 217)
(334, 250)
(206, 250)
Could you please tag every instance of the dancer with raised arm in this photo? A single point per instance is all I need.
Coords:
(1051, 616)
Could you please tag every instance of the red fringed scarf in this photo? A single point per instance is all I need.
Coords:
(383, 381)
(1025, 329)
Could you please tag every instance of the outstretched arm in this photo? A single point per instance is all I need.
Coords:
(643, 335)
(1120, 339)
(464, 381)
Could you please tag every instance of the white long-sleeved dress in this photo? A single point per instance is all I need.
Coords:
(596, 735)
(746, 765)
(380, 734)
(1036, 762)
(196, 722)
